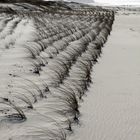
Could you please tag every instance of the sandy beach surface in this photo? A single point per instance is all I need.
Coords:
(111, 110)
(46, 69)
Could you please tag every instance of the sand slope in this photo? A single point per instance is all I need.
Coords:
(111, 111)
(45, 67)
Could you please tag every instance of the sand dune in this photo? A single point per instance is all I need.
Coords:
(47, 52)
(51, 86)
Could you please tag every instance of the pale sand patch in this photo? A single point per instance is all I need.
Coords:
(111, 110)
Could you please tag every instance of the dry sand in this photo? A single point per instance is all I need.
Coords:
(28, 110)
(111, 111)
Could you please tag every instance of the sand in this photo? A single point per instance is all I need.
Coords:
(44, 73)
(111, 110)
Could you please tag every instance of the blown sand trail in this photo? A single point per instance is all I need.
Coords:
(111, 110)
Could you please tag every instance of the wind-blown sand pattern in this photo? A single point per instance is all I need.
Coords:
(111, 110)
(47, 54)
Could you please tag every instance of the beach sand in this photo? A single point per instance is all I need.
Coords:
(111, 110)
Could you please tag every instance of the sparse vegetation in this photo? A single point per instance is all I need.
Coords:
(55, 51)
